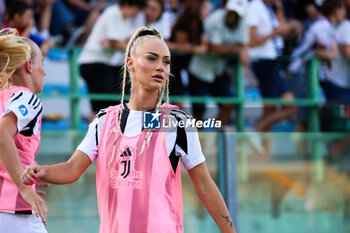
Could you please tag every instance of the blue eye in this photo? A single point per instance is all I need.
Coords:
(151, 59)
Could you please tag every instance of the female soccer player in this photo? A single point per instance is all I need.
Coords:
(21, 76)
(137, 175)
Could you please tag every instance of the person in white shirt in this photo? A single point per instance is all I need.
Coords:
(100, 64)
(226, 34)
(266, 28)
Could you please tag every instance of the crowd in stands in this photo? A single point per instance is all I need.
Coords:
(203, 35)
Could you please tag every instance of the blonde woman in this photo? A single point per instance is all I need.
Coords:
(21, 77)
(138, 174)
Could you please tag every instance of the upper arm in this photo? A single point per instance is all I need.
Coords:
(27, 108)
(200, 177)
(8, 124)
(90, 143)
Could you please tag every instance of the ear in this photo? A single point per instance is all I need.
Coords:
(130, 64)
(28, 66)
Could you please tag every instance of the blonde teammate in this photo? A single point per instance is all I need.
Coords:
(21, 76)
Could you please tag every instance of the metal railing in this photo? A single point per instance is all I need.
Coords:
(311, 101)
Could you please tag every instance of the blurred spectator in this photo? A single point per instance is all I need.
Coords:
(20, 15)
(337, 85)
(227, 34)
(319, 40)
(42, 15)
(100, 65)
(155, 17)
(173, 8)
(187, 38)
(74, 19)
(267, 25)
(297, 80)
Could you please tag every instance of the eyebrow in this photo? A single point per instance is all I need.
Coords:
(157, 54)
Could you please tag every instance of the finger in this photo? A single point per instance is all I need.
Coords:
(35, 209)
(24, 178)
(40, 192)
(42, 210)
(28, 178)
(39, 184)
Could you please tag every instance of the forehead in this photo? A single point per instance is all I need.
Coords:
(155, 46)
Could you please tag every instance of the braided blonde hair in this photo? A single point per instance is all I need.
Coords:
(14, 52)
(141, 35)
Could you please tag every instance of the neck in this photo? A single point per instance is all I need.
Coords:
(141, 100)
(21, 81)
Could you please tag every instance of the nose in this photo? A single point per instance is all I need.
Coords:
(160, 66)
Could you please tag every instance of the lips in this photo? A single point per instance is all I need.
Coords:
(158, 77)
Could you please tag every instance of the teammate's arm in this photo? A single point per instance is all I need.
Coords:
(61, 173)
(10, 159)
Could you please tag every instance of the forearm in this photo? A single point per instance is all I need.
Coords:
(326, 54)
(216, 207)
(10, 159)
(67, 172)
(211, 197)
(61, 173)
(117, 44)
(257, 41)
(225, 49)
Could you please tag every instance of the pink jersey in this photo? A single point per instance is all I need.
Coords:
(27, 147)
(136, 193)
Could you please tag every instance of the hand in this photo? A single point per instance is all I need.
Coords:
(36, 202)
(41, 184)
(32, 173)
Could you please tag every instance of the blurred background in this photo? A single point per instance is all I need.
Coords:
(275, 72)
